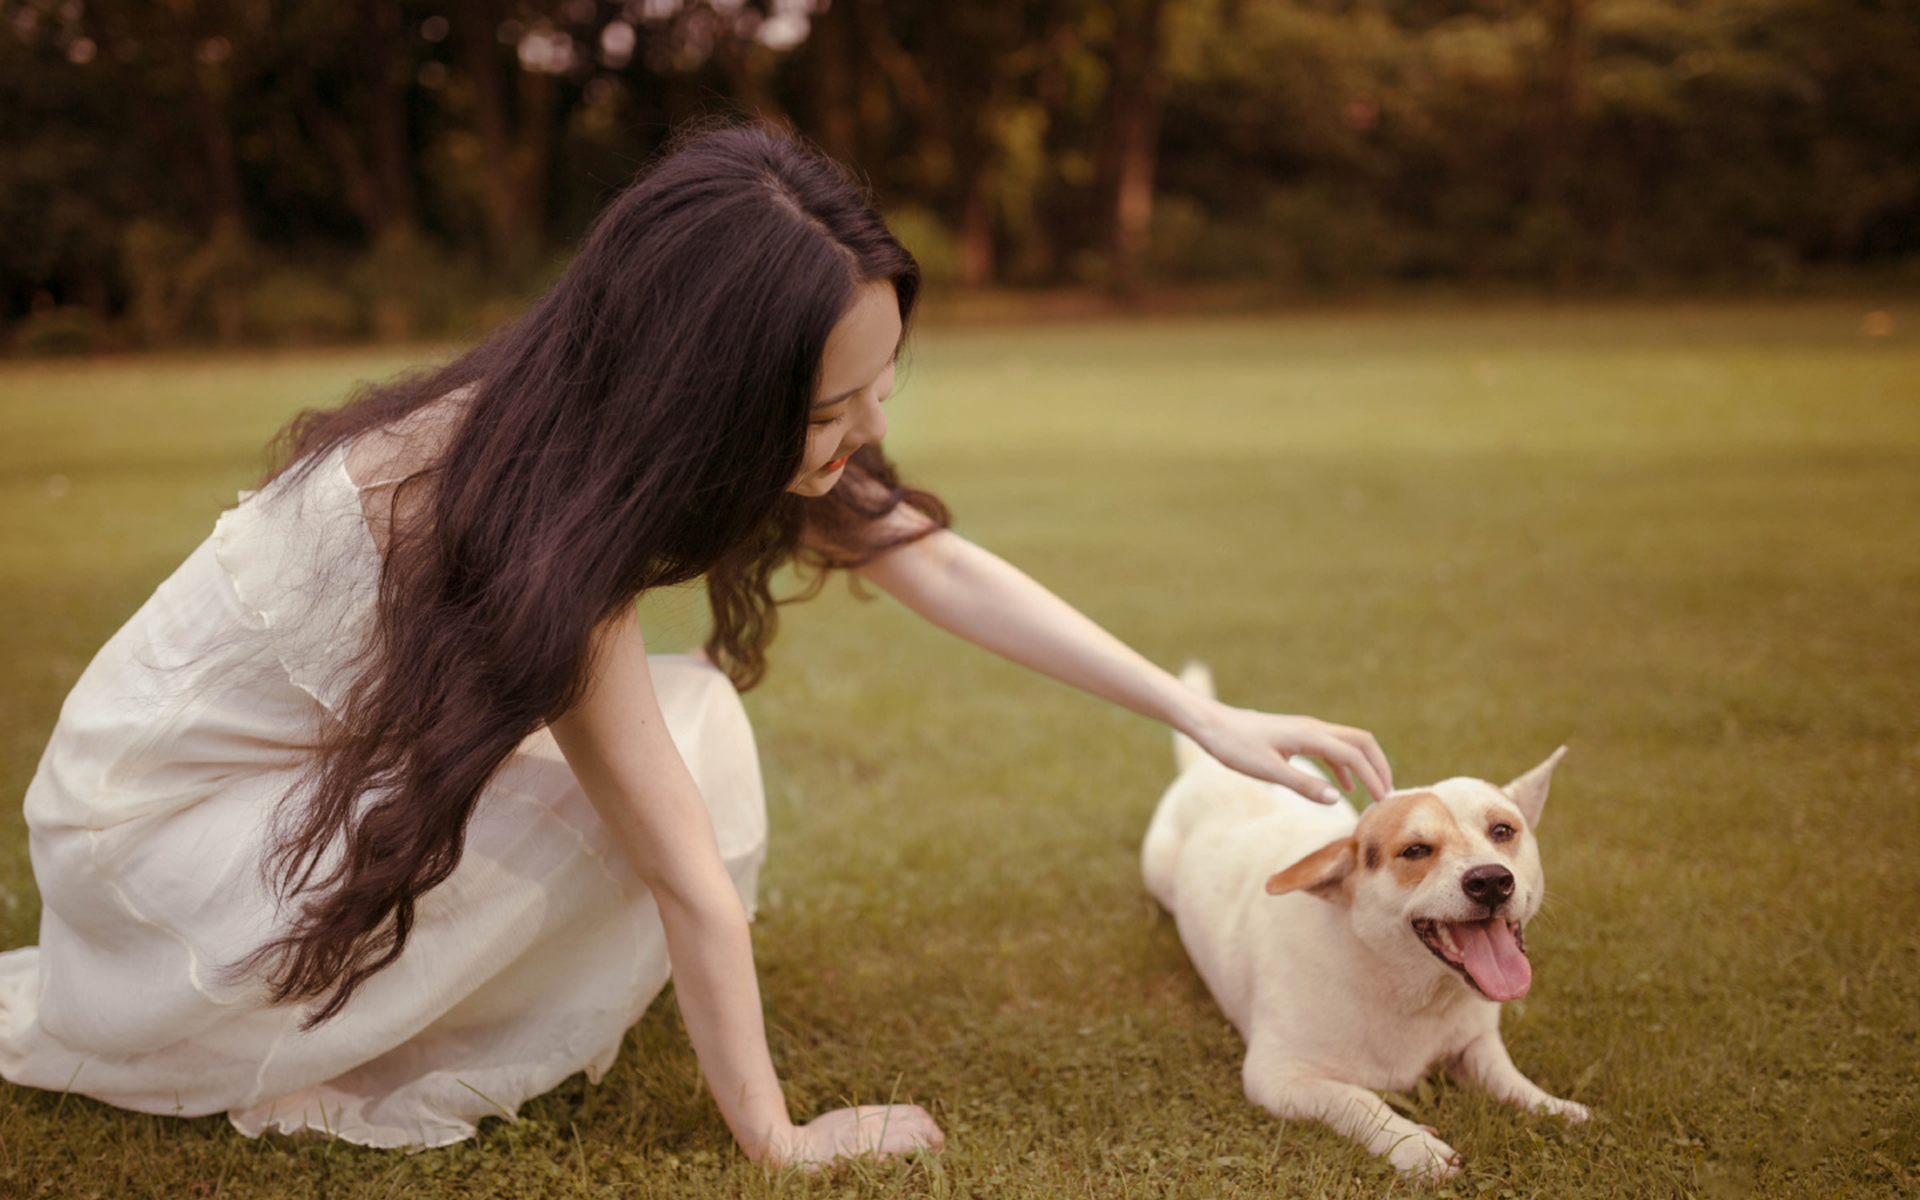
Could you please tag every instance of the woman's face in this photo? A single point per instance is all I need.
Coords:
(856, 374)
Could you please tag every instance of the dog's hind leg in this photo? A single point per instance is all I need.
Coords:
(1352, 1111)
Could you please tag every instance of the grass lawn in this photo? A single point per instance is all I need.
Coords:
(1685, 540)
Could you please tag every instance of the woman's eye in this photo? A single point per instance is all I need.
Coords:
(1501, 833)
(1417, 850)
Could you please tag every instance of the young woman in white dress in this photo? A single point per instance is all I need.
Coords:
(378, 819)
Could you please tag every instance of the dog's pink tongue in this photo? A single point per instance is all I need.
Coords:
(1494, 959)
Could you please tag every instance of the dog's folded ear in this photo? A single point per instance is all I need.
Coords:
(1530, 790)
(1321, 872)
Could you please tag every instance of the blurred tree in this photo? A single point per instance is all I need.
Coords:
(1572, 140)
(296, 168)
(510, 66)
(353, 74)
(68, 171)
(1130, 134)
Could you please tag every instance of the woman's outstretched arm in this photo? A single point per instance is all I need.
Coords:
(616, 742)
(979, 596)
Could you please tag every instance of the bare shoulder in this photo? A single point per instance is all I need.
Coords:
(414, 443)
(382, 459)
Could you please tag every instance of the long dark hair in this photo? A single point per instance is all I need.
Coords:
(636, 429)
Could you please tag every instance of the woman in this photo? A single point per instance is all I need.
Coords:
(377, 818)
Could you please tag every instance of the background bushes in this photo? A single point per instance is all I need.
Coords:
(304, 171)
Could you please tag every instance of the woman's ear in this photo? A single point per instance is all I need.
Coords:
(1320, 873)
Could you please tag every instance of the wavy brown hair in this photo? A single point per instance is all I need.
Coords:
(636, 429)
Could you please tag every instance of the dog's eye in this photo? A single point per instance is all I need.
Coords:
(1501, 833)
(1417, 850)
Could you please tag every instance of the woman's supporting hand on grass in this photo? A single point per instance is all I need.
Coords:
(617, 744)
(977, 595)
(883, 1129)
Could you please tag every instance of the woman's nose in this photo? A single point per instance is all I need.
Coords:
(871, 420)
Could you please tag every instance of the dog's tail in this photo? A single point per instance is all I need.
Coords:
(1186, 751)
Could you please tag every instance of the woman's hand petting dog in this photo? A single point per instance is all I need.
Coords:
(1259, 744)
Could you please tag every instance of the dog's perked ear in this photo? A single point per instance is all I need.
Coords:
(1321, 872)
(1529, 791)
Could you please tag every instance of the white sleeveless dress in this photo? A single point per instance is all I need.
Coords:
(150, 816)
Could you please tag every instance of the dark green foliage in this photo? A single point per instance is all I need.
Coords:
(309, 170)
(1714, 141)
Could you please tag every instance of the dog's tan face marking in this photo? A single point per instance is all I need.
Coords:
(1409, 833)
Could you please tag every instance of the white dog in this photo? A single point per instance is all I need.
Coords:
(1355, 951)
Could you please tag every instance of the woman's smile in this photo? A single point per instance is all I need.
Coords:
(856, 376)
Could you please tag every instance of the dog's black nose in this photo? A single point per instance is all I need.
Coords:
(1490, 885)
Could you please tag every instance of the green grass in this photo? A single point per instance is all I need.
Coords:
(1681, 539)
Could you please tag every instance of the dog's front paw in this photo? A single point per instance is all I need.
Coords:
(1573, 1112)
(1423, 1156)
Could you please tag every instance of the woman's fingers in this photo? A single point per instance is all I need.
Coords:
(1261, 743)
(1370, 746)
(903, 1129)
(1345, 750)
(885, 1129)
(1306, 783)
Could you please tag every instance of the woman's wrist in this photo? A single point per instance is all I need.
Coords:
(762, 1125)
(776, 1146)
(1195, 715)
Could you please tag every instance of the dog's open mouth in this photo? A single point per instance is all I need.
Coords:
(1491, 955)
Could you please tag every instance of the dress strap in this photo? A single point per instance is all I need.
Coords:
(346, 451)
(380, 483)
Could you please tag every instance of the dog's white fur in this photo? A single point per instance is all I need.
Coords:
(1311, 950)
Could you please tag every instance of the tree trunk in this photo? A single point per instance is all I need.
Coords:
(532, 152)
(513, 161)
(365, 196)
(748, 67)
(1563, 118)
(909, 84)
(1063, 211)
(1565, 107)
(218, 270)
(976, 251)
(1131, 139)
(831, 77)
(387, 117)
(221, 202)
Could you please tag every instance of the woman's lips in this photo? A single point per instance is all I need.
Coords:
(837, 463)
